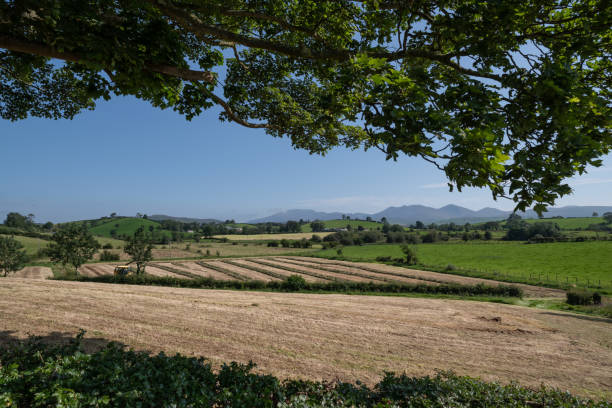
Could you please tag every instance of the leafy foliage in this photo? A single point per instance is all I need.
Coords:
(36, 375)
(72, 245)
(139, 247)
(513, 96)
(12, 257)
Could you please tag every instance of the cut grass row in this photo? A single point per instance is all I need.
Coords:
(583, 264)
(307, 287)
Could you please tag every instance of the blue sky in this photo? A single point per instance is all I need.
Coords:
(129, 157)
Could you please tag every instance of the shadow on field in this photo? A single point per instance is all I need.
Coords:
(581, 317)
(88, 343)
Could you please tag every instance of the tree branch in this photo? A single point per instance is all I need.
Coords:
(42, 50)
(192, 23)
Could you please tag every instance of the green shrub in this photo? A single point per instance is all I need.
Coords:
(334, 286)
(108, 256)
(584, 298)
(294, 283)
(33, 374)
(107, 246)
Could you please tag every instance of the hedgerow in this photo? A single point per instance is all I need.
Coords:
(286, 286)
(33, 374)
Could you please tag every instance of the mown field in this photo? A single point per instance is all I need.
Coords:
(322, 336)
(580, 263)
(313, 270)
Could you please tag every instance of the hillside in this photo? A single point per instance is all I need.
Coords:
(123, 226)
(331, 224)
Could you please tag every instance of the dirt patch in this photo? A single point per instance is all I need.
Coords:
(33, 272)
(325, 336)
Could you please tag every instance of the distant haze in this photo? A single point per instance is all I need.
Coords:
(409, 214)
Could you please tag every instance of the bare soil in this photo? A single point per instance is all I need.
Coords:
(323, 336)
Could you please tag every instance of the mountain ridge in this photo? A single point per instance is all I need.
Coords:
(409, 214)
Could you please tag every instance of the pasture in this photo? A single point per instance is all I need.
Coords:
(322, 336)
(31, 245)
(564, 263)
(569, 223)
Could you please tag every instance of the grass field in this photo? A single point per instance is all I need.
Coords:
(322, 336)
(570, 223)
(123, 226)
(560, 263)
(31, 245)
(271, 237)
(343, 223)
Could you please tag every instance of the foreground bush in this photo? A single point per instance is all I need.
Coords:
(292, 286)
(37, 375)
(583, 298)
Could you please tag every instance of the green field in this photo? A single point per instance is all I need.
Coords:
(372, 225)
(123, 226)
(570, 223)
(579, 263)
(31, 245)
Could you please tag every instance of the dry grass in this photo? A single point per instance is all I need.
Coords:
(33, 272)
(325, 336)
(341, 270)
(530, 290)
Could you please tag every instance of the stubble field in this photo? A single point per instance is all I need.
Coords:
(322, 336)
(311, 269)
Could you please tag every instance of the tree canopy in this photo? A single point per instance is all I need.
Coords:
(12, 255)
(139, 247)
(512, 95)
(72, 245)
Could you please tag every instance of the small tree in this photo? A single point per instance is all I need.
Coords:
(139, 247)
(608, 217)
(72, 245)
(12, 257)
(317, 226)
(410, 253)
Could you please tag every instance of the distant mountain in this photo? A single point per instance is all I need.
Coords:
(409, 214)
(296, 215)
(161, 217)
